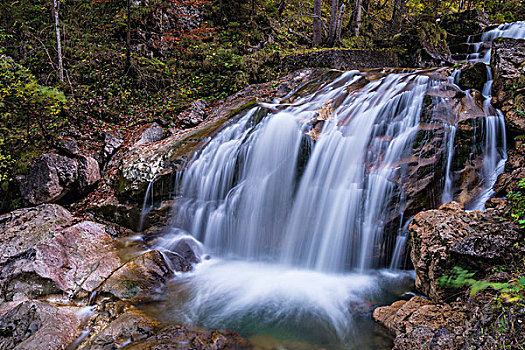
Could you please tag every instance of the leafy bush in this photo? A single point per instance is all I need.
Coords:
(30, 114)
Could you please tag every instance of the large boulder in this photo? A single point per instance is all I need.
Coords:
(23, 229)
(139, 279)
(36, 325)
(508, 90)
(404, 316)
(88, 172)
(53, 177)
(473, 76)
(77, 259)
(50, 178)
(449, 236)
(42, 256)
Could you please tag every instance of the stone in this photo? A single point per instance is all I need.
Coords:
(153, 133)
(23, 229)
(111, 144)
(508, 89)
(450, 236)
(140, 279)
(79, 258)
(67, 145)
(194, 115)
(116, 324)
(342, 59)
(88, 172)
(37, 325)
(418, 339)
(50, 178)
(119, 324)
(473, 76)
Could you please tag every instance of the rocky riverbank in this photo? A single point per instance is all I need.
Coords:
(469, 264)
(67, 282)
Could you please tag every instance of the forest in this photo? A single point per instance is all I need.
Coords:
(266, 174)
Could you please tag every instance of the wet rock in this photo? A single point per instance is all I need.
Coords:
(38, 325)
(117, 324)
(508, 90)
(140, 279)
(67, 145)
(473, 76)
(77, 259)
(404, 316)
(180, 337)
(50, 178)
(421, 321)
(88, 172)
(444, 106)
(450, 236)
(152, 134)
(194, 115)
(23, 229)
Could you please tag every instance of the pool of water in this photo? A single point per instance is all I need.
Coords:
(281, 307)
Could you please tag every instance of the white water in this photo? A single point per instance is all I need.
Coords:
(294, 228)
(494, 151)
(241, 197)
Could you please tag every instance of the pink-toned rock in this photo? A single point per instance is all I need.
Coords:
(81, 257)
(140, 278)
(37, 325)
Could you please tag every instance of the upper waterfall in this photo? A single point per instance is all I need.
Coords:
(263, 190)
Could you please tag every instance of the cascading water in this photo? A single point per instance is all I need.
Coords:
(298, 203)
(240, 197)
(494, 145)
(291, 202)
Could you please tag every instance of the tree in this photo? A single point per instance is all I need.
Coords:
(55, 6)
(358, 16)
(333, 23)
(317, 39)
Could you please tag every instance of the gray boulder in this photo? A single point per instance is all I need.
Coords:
(50, 178)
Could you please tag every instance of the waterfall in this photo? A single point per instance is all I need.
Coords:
(243, 196)
(299, 203)
(494, 145)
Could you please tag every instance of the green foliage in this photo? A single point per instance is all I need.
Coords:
(460, 277)
(517, 203)
(29, 115)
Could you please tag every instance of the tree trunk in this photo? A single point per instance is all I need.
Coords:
(54, 11)
(317, 39)
(397, 12)
(127, 65)
(333, 23)
(339, 23)
(358, 16)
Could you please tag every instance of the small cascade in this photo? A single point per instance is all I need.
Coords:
(494, 144)
(448, 190)
(147, 205)
(399, 249)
